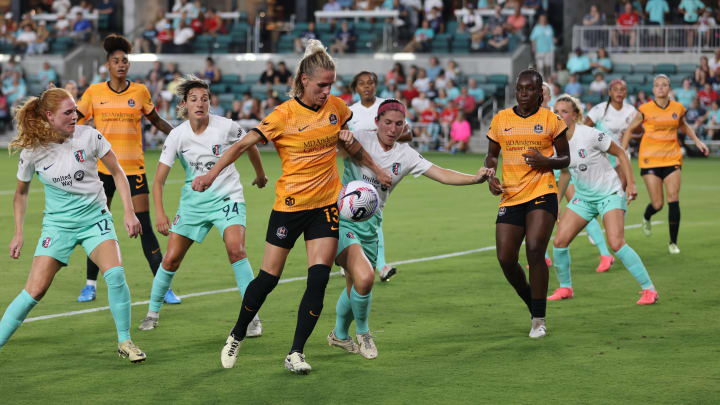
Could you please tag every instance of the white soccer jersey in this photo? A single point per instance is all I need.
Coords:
(592, 173)
(612, 122)
(198, 154)
(399, 161)
(364, 117)
(74, 195)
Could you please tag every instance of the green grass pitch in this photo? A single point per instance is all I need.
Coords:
(448, 330)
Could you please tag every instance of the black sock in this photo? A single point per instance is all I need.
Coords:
(311, 305)
(649, 212)
(92, 270)
(255, 295)
(538, 308)
(150, 245)
(526, 295)
(674, 220)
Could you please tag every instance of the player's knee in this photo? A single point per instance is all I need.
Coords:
(507, 261)
(37, 292)
(616, 243)
(363, 282)
(535, 251)
(657, 206)
(171, 262)
(236, 253)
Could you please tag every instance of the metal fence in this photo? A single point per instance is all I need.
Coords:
(647, 38)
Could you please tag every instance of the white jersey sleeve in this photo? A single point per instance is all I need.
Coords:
(602, 142)
(235, 133)
(101, 145)
(417, 164)
(596, 113)
(170, 147)
(26, 166)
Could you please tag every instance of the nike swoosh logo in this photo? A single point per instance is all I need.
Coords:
(185, 150)
(104, 233)
(333, 228)
(47, 167)
(303, 128)
(155, 251)
(248, 309)
(356, 192)
(507, 129)
(104, 102)
(311, 314)
(539, 202)
(137, 186)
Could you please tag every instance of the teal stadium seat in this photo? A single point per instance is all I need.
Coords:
(592, 98)
(612, 76)
(251, 78)
(644, 68)
(587, 78)
(666, 68)
(688, 68)
(365, 42)
(479, 77)
(227, 98)
(230, 78)
(622, 68)
(218, 88)
(635, 78)
(286, 44)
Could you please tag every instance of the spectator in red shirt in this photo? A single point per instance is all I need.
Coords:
(396, 75)
(213, 23)
(410, 91)
(465, 101)
(198, 23)
(707, 95)
(449, 113)
(626, 21)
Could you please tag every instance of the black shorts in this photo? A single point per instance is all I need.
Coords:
(285, 227)
(661, 172)
(138, 184)
(515, 214)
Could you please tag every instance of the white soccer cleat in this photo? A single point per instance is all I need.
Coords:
(229, 352)
(149, 323)
(387, 272)
(295, 362)
(538, 329)
(673, 249)
(646, 227)
(342, 272)
(367, 346)
(129, 350)
(348, 344)
(254, 329)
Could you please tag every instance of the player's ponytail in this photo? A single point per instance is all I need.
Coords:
(315, 58)
(577, 106)
(33, 128)
(187, 83)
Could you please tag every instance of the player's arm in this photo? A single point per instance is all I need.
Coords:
(162, 223)
(201, 183)
(627, 133)
(132, 225)
(617, 151)
(159, 123)
(454, 178)
(589, 122)
(260, 177)
(689, 131)
(358, 154)
(561, 160)
(19, 208)
(491, 162)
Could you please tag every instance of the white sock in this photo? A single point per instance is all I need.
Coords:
(256, 318)
(91, 283)
(152, 314)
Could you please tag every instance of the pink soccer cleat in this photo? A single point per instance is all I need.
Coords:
(548, 261)
(561, 294)
(605, 263)
(649, 297)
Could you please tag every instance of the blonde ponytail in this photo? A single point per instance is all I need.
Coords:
(315, 57)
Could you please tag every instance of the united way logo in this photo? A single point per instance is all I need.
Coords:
(216, 150)
(350, 235)
(581, 152)
(501, 211)
(396, 169)
(80, 155)
(281, 232)
(333, 119)
(46, 242)
(131, 102)
(538, 129)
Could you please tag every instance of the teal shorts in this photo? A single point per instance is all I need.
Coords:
(59, 242)
(363, 233)
(589, 210)
(195, 225)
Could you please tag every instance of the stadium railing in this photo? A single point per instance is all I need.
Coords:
(646, 38)
(357, 15)
(527, 12)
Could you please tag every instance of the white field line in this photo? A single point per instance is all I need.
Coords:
(289, 280)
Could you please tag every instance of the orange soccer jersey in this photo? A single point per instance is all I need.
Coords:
(117, 116)
(306, 141)
(516, 135)
(659, 145)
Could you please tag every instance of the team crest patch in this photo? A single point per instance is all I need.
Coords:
(538, 129)
(396, 169)
(216, 150)
(80, 155)
(674, 116)
(576, 201)
(131, 102)
(46, 242)
(281, 232)
(176, 220)
(350, 235)
(581, 152)
(333, 119)
(501, 211)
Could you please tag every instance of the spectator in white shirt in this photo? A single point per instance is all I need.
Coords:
(332, 5)
(26, 37)
(420, 103)
(599, 86)
(182, 37)
(61, 6)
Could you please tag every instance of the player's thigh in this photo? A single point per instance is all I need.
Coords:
(571, 223)
(106, 255)
(141, 202)
(274, 258)
(508, 239)
(321, 250)
(356, 264)
(654, 187)
(672, 185)
(569, 192)
(42, 273)
(614, 221)
(538, 230)
(234, 238)
(178, 245)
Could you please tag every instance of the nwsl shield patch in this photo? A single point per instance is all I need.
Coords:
(333, 119)
(281, 232)
(538, 129)
(131, 102)
(396, 169)
(46, 242)
(216, 150)
(80, 155)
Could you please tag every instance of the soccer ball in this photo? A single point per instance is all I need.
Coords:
(358, 201)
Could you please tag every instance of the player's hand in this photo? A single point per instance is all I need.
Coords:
(132, 225)
(534, 158)
(484, 174)
(15, 246)
(347, 137)
(162, 224)
(384, 178)
(260, 181)
(202, 183)
(495, 186)
(703, 148)
(631, 192)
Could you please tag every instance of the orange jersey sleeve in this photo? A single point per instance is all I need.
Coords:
(516, 135)
(659, 146)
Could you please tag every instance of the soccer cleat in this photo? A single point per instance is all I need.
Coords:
(127, 349)
(171, 298)
(295, 362)
(149, 323)
(673, 249)
(387, 272)
(538, 329)
(229, 352)
(87, 294)
(561, 294)
(548, 261)
(347, 344)
(649, 297)
(254, 329)
(646, 227)
(605, 263)
(367, 346)
(342, 272)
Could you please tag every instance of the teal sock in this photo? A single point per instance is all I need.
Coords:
(160, 287)
(119, 299)
(361, 310)
(344, 315)
(561, 257)
(243, 274)
(595, 231)
(635, 266)
(15, 315)
(380, 262)
(547, 255)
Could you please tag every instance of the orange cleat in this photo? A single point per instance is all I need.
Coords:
(605, 263)
(649, 297)
(561, 294)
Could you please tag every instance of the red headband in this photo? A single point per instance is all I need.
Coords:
(617, 81)
(393, 105)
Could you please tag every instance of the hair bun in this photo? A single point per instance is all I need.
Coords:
(313, 46)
